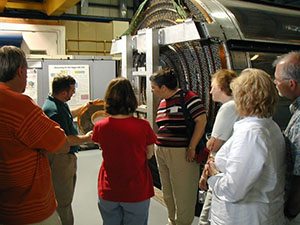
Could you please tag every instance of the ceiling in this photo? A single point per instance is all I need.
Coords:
(49, 7)
(55, 9)
(284, 3)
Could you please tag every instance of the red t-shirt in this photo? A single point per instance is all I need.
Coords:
(124, 174)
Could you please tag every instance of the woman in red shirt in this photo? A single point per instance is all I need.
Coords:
(125, 183)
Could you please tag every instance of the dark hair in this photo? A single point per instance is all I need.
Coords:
(62, 83)
(165, 77)
(119, 97)
(11, 58)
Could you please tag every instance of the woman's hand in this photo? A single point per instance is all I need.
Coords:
(203, 179)
(212, 168)
(211, 158)
(202, 184)
(190, 154)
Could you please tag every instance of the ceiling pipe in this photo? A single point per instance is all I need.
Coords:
(108, 6)
(39, 15)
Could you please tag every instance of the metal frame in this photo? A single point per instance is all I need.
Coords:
(148, 41)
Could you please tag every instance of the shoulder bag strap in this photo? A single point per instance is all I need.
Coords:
(187, 117)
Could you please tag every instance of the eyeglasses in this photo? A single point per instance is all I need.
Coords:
(277, 81)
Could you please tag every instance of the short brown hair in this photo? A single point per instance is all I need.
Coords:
(223, 78)
(119, 97)
(62, 83)
(254, 93)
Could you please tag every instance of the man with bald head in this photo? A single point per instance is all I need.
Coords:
(287, 80)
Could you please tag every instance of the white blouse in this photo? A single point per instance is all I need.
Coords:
(250, 188)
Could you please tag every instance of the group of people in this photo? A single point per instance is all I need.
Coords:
(246, 175)
(252, 173)
(37, 147)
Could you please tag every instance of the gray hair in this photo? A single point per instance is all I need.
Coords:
(291, 67)
(11, 58)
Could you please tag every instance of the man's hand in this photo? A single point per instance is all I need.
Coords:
(88, 136)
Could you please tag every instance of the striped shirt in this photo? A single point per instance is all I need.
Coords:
(171, 122)
(292, 132)
(26, 192)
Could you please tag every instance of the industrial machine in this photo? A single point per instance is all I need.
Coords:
(198, 37)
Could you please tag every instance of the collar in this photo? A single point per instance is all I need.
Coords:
(51, 98)
(4, 86)
(174, 94)
(295, 105)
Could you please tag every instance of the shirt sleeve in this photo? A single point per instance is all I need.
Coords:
(243, 167)
(295, 148)
(194, 104)
(223, 126)
(96, 133)
(292, 133)
(37, 131)
(151, 136)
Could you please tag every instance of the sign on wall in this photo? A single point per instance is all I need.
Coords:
(82, 76)
(31, 86)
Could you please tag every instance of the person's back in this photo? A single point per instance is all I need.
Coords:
(125, 183)
(123, 142)
(26, 192)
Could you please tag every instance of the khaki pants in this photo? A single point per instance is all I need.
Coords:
(204, 216)
(63, 169)
(51, 220)
(179, 180)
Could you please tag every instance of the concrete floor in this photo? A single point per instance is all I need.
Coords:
(85, 200)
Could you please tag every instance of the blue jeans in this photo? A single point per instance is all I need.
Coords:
(124, 213)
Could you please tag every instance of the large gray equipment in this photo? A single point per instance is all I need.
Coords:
(198, 37)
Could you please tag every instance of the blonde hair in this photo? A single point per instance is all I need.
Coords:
(254, 93)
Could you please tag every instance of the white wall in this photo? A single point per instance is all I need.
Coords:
(47, 38)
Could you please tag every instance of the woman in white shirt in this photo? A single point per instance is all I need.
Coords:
(222, 129)
(247, 173)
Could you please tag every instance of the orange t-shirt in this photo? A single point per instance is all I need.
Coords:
(26, 133)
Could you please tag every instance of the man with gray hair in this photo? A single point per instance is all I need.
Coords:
(287, 80)
(26, 134)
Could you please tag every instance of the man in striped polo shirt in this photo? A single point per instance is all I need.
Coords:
(26, 134)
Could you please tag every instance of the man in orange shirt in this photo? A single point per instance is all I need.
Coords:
(26, 134)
